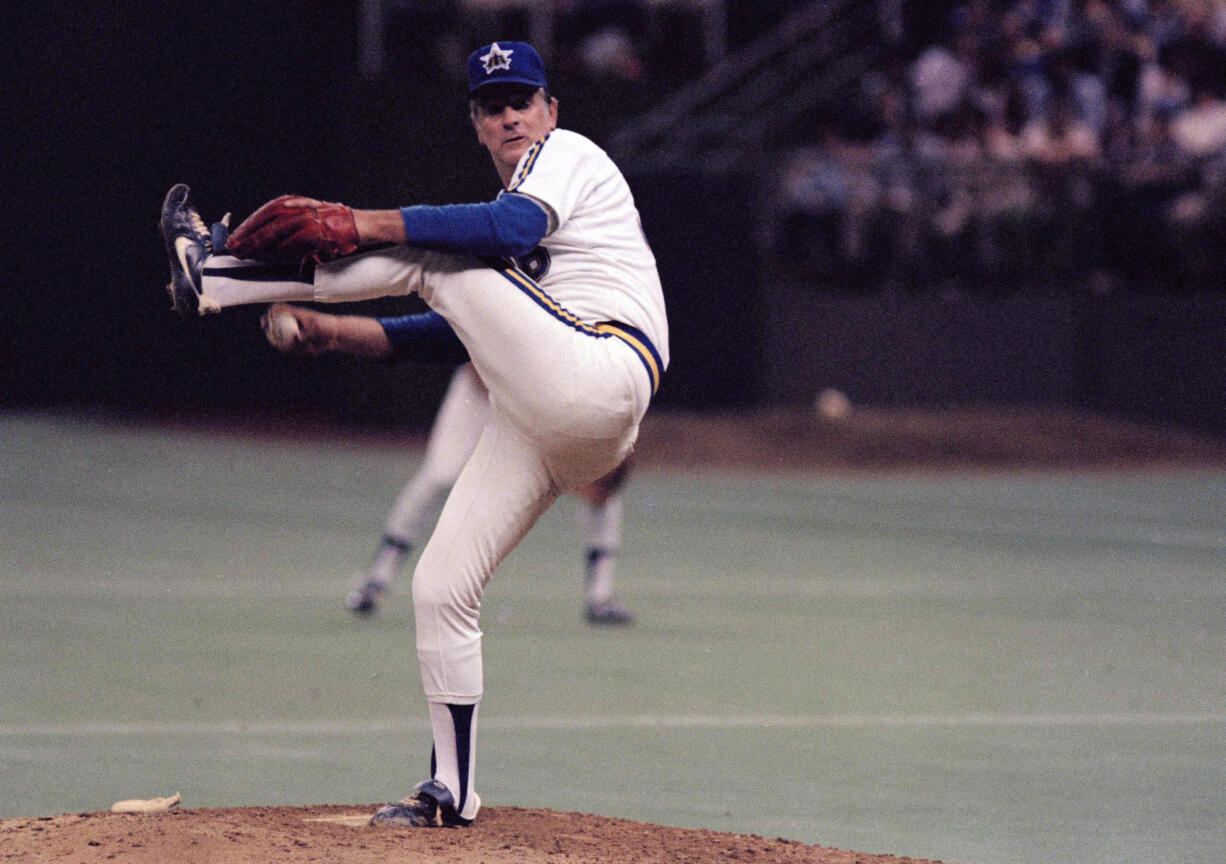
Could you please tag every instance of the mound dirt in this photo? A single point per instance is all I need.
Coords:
(337, 834)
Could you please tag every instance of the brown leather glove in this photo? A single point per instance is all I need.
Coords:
(297, 229)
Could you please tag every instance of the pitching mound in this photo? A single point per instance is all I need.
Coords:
(275, 835)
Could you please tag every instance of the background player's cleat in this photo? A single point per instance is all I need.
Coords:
(609, 613)
(188, 244)
(430, 806)
(364, 598)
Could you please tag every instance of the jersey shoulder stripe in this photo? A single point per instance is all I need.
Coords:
(529, 163)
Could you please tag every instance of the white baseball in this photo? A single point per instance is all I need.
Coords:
(282, 330)
(832, 404)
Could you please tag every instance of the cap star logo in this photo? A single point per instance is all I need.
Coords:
(496, 59)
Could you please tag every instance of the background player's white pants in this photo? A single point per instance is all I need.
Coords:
(565, 407)
(601, 525)
(454, 435)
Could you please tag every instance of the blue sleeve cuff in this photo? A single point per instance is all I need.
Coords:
(425, 338)
(511, 225)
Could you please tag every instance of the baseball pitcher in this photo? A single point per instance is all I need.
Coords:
(553, 293)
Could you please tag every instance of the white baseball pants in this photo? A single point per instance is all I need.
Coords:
(454, 435)
(566, 401)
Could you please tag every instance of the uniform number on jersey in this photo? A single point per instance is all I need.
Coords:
(535, 264)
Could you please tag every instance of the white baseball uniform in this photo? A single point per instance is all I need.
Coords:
(456, 430)
(571, 347)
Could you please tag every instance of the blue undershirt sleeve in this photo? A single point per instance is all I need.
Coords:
(510, 225)
(425, 338)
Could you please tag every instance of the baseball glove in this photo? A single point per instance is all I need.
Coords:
(297, 229)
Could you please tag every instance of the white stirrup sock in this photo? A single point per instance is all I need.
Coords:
(231, 281)
(454, 761)
(601, 527)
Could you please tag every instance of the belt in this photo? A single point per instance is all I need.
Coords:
(632, 336)
(638, 341)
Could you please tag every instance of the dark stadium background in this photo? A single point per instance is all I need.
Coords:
(110, 104)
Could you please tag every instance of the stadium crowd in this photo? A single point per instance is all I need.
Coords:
(1047, 145)
(642, 41)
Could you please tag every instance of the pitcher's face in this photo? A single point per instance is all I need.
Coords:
(510, 118)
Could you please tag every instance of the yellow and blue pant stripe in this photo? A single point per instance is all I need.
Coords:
(632, 336)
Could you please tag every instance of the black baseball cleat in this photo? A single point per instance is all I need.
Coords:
(363, 599)
(219, 232)
(430, 806)
(188, 244)
(608, 613)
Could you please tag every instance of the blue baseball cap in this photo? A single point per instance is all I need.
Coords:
(505, 63)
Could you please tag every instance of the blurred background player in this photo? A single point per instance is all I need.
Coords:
(461, 416)
(457, 426)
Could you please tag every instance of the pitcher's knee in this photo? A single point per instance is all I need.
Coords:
(446, 602)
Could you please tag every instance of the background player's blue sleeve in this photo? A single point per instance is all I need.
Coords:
(511, 225)
(426, 338)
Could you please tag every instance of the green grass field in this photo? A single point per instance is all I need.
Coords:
(970, 667)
